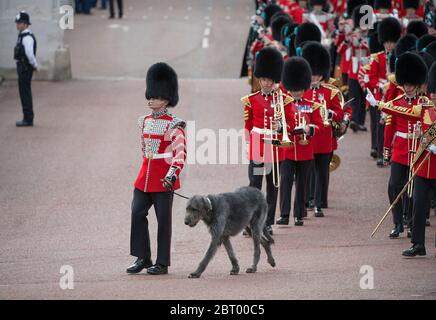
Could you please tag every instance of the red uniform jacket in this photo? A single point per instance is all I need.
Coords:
(427, 116)
(164, 150)
(323, 140)
(377, 74)
(305, 109)
(338, 6)
(393, 89)
(398, 130)
(344, 51)
(257, 108)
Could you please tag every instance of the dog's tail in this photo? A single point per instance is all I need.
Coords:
(266, 236)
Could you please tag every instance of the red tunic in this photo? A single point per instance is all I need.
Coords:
(164, 146)
(427, 116)
(359, 56)
(344, 51)
(398, 130)
(377, 74)
(393, 90)
(257, 106)
(323, 140)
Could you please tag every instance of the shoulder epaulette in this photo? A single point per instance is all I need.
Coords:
(374, 56)
(392, 79)
(316, 105)
(334, 90)
(332, 81)
(246, 101)
(287, 100)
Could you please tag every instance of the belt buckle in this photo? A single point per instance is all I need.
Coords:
(149, 155)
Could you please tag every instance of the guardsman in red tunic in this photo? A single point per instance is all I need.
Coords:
(330, 99)
(259, 115)
(399, 139)
(303, 122)
(164, 154)
(389, 31)
(423, 112)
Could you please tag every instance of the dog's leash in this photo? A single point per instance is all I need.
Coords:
(181, 196)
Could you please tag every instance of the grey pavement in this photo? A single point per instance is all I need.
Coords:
(66, 188)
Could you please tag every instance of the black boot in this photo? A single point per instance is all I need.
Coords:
(318, 212)
(415, 250)
(283, 221)
(298, 222)
(157, 269)
(380, 163)
(310, 205)
(395, 233)
(373, 153)
(427, 223)
(24, 123)
(139, 265)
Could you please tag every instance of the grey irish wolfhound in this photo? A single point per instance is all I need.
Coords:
(226, 215)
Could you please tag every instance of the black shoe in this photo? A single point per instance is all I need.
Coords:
(139, 265)
(269, 230)
(373, 153)
(361, 127)
(427, 223)
(24, 123)
(157, 269)
(415, 250)
(380, 163)
(354, 126)
(310, 205)
(298, 222)
(409, 234)
(395, 233)
(319, 213)
(283, 221)
(111, 17)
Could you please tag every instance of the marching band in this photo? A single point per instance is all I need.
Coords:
(315, 69)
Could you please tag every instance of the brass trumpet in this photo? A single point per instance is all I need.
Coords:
(324, 114)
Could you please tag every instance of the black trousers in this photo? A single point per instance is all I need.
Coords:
(380, 135)
(139, 236)
(288, 169)
(374, 124)
(112, 8)
(397, 180)
(25, 74)
(256, 172)
(421, 205)
(358, 105)
(321, 174)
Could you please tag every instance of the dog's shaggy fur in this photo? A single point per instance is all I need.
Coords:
(226, 215)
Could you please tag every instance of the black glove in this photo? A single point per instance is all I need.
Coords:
(170, 179)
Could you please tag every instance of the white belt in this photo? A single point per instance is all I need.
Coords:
(404, 135)
(158, 155)
(263, 131)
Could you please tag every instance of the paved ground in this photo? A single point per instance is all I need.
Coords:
(66, 187)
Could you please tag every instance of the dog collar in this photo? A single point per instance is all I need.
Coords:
(210, 203)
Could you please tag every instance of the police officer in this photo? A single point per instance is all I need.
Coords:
(164, 154)
(24, 54)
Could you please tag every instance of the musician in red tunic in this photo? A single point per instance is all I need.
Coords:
(164, 154)
(424, 112)
(410, 73)
(258, 116)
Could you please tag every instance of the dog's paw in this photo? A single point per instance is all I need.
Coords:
(234, 271)
(194, 276)
(272, 262)
(251, 270)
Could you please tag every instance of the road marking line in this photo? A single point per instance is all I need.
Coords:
(207, 31)
(113, 26)
(205, 43)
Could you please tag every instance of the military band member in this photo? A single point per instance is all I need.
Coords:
(164, 153)
(425, 181)
(389, 32)
(410, 73)
(411, 11)
(304, 123)
(257, 115)
(330, 100)
(417, 28)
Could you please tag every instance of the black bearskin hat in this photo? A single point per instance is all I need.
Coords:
(389, 29)
(277, 24)
(317, 3)
(351, 4)
(417, 27)
(269, 11)
(410, 68)
(318, 57)
(431, 49)
(269, 64)
(424, 41)
(162, 83)
(307, 31)
(405, 44)
(411, 4)
(296, 74)
(382, 4)
(431, 85)
(374, 45)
